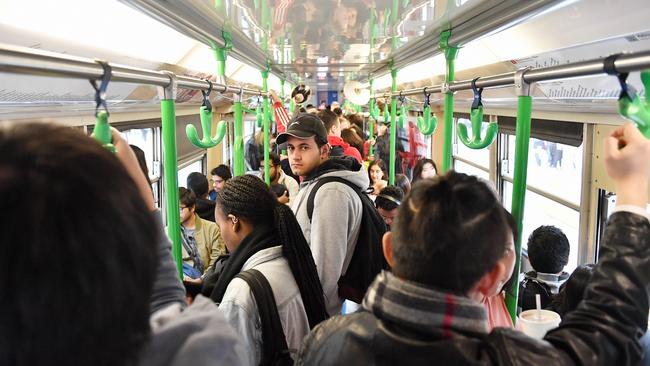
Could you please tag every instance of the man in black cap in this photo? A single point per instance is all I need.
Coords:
(333, 229)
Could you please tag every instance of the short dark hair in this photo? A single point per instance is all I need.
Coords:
(198, 183)
(449, 232)
(572, 291)
(328, 117)
(186, 197)
(79, 252)
(403, 182)
(222, 171)
(356, 120)
(548, 249)
(384, 201)
(338, 111)
(142, 161)
(278, 189)
(275, 158)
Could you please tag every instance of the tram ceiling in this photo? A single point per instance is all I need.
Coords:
(333, 41)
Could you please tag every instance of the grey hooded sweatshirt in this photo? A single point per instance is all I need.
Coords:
(333, 231)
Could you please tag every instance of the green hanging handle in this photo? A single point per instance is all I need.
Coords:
(476, 118)
(403, 111)
(630, 105)
(386, 114)
(102, 130)
(373, 110)
(206, 125)
(428, 123)
(259, 115)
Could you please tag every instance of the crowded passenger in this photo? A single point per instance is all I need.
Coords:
(201, 239)
(424, 169)
(388, 202)
(277, 175)
(446, 251)
(198, 183)
(403, 182)
(378, 177)
(351, 137)
(572, 290)
(338, 147)
(219, 176)
(332, 228)
(548, 253)
(107, 291)
(263, 235)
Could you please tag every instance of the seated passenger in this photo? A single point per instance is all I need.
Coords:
(548, 253)
(446, 249)
(198, 183)
(219, 176)
(387, 203)
(107, 291)
(264, 235)
(201, 239)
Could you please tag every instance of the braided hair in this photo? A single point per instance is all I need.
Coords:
(247, 197)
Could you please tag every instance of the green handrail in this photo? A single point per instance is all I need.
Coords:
(266, 123)
(450, 56)
(393, 129)
(476, 119)
(170, 173)
(524, 111)
(239, 167)
(630, 105)
(102, 131)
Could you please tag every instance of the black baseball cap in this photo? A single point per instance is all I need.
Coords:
(304, 126)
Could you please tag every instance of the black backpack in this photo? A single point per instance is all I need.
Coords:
(275, 351)
(368, 257)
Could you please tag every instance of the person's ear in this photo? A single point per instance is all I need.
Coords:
(235, 222)
(387, 245)
(491, 283)
(325, 151)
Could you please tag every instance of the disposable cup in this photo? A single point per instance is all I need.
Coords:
(536, 325)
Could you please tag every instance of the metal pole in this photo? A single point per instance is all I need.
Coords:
(393, 130)
(524, 112)
(170, 169)
(238, 144)
(267, 177)
(450, 57)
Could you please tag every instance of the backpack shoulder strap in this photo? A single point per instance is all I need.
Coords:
(274, 343)
(320, 183)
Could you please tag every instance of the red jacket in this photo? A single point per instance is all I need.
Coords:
(347, 149)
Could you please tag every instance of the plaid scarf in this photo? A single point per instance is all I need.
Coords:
(424, 309)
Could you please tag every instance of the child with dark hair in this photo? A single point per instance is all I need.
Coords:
(548, 252)
(264, 235)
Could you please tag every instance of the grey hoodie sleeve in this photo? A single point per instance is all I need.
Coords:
(168, 288)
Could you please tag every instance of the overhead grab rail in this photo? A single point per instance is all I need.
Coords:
(630, 105)
(206, 125)
(476, 120)
(427, 123)
(102, 130)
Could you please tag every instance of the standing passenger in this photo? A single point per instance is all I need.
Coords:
(334, 228)
(278, 177)
(338, 146)
(452, 244)
(264, 235)
(388, 202)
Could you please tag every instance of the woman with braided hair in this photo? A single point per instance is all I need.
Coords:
(264, 235)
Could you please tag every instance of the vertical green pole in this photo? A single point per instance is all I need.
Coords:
(239, 167)
(371, 124)
(393, 128)
(450, 57)
(524, 110)
(282, 89)
(265, 88)
(170, 171)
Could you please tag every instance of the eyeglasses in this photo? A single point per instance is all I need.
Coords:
(181, 208)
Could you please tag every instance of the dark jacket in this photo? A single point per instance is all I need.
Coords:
(603, 330)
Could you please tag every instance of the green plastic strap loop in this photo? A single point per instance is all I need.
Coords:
(102, 131)
(206, 121)
(477, 142)
(259, 115)
(428, 123)
(631, 107)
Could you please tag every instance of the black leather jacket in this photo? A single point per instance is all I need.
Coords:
(603, 330)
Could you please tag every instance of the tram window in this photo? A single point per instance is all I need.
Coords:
(553, 167)
(540, 210)
(463, 167)
(480, 156)
(195, 166)
(144, 139)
